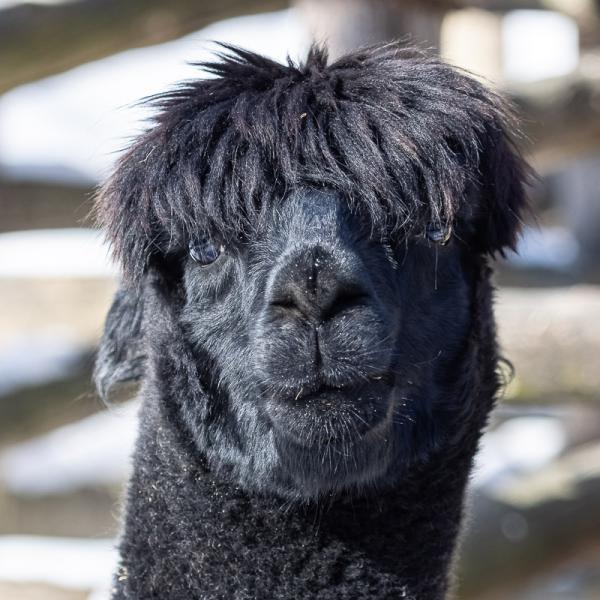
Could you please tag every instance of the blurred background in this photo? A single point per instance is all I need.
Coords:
(70, 74)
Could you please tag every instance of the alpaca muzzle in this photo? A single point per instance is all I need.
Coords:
(325, 318)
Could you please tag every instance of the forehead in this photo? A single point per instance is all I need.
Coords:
(395, 133)
(398, 153)
(308, 209)
(309, 212)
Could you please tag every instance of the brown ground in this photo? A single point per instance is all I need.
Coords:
(17, 591)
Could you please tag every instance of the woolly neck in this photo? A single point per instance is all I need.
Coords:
(193, 533)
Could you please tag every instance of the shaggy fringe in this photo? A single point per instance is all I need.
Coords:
(400, 134)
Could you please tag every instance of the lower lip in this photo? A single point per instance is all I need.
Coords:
(368, 391)
(325, 393)
(289, 416)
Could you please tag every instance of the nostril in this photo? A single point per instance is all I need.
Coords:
(329, 302)
(343, 300)
(287, 304)
(309, 286)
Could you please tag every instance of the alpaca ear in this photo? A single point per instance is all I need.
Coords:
(121, 355)
(503, 201)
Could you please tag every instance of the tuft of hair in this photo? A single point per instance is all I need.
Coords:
(398, 132)
(121, 356)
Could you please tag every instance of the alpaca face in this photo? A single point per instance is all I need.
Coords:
(327, 346)
(289, 294)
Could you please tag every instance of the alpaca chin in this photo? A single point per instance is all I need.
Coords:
(334, 468)
(330, 440)
(335, 416)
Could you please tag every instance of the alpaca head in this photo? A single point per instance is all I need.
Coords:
(302, 248)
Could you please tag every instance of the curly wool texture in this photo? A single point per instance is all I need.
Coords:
(311, 178)
(401, 134)
(193, 533)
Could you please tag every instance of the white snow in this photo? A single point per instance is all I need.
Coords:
(10, 3)
(54, 253)
(72, 126)
(518, 446)
(65, 562)
(94, 451)
(547, 248)
(31, 360)
(538, 44)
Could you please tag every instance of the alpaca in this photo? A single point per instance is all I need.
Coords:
(306, 300)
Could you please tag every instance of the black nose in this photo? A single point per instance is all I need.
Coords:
(315, 284)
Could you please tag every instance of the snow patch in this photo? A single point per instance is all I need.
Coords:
(33, 360)
(519, 446)
(72, 126)
(10, 3)
(547, 248)
(65, 562)
(538, 45)
(94, 451)
(55, 253)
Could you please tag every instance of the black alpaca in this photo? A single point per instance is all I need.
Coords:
(306, 300)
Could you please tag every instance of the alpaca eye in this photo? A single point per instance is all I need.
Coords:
(205, 252)
(439, 234)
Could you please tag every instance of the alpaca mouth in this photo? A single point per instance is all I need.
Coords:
(333, 437)
(350, 389)
(334, 414)
(320, 389)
